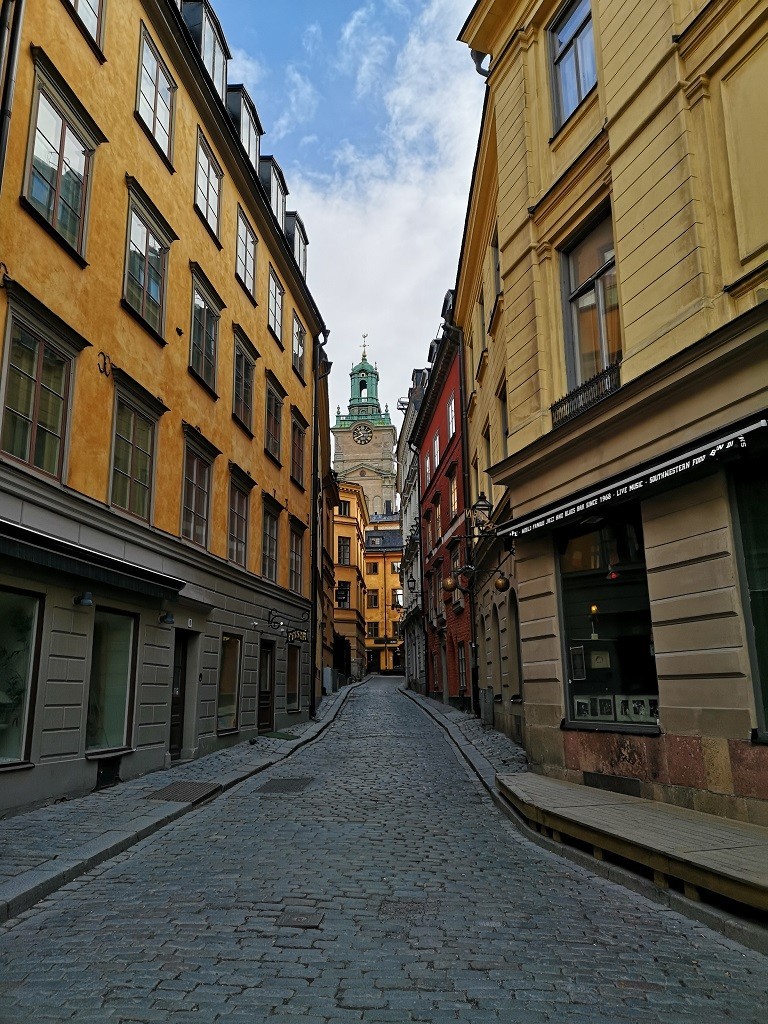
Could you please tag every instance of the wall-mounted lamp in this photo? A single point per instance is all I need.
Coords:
(411, 584)
(451, 583)
(166, 619)
(84, 600)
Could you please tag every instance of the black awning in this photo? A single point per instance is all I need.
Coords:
(651, 478)
(40, 549)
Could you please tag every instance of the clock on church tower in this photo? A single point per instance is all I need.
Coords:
(365, 439)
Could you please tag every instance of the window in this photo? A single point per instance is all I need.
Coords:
(269, 545)
(503, 421)
(292, 690)
(296, 574)
(214, 55)
(436, 449)
(427, 468)
(238, 523)
(438, 520)
(146, 260)
(343, 551)
(299, 336)
(154, 102)
(453, 496)
(242, 402)
(452, 414)
(462, 660)
(488, 460)
(573, 56)
(110, 682)
(36, 401)
(245, 259)
(298, 436)
(372, 629)
(89, 12)
(396, 567)
(275, 396)
(60, 163)
(275, 312)
(372, 568)
(250, 135)
(277, 199)
(132, 459)
(482, 326)
(197, 491)
(344, 509)
(496, 263)
(19, 615)
(372, 599)
(228, 691)
(397, 598)
(207, 185)
(611, 667)
(205, 334)
(593, 300)
(342, 594)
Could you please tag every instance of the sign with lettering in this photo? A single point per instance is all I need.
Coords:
(299, 635)
(635, 486)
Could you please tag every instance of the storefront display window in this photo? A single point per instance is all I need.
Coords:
(229, 683)
(109, 687)
(18, 629)
(611, 668)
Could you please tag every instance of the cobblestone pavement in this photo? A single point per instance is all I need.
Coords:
(418, 902)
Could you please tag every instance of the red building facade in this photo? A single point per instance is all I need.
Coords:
(437, 436)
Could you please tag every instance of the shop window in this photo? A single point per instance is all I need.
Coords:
(227, 702)
(292, 691)
(18, 632)
(751, 491)
(111, 680)
(611, 669)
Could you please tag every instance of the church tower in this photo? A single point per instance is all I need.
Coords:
(365, 439)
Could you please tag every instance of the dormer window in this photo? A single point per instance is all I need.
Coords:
(274, 182)
(243, 113)
(297, 237)
(206, 31)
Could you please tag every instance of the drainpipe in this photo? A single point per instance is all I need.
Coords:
(11, 14)
(316, 554)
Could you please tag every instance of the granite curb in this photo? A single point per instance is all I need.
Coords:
(738, 929)
(25, 889)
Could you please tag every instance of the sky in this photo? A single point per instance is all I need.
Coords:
(372, 109)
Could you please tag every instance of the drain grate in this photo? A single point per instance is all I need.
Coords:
(186, 792)
(300, 919)
(284, 786)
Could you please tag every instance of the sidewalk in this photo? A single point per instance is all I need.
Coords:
(45, 848)
(629, 837)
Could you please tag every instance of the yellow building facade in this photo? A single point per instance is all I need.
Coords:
(384, 595)
(351, 521)
(612, 296)
(157, 400)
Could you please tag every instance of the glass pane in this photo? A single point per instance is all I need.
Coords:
(18, 623)
(591, 254)
(21, 393)
(120, 490)
(229, 679)
(611, 323)
(24, 351)
(16, 435)
(751, 487)
(51, 411)
(54, 371)
(111, 663)
(47, 449)
(88, 11)
(587, 336)
(140, 501)
(143, 434)
(587, 68)
(570, 24)
(122, 455)
(569, 90)
(141, 467)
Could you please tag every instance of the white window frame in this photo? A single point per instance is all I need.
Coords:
(275, 311)
(208, 190)
(245, 253)
(160, 72)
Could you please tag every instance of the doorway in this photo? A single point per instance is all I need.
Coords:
(178, 694)
(266, 713)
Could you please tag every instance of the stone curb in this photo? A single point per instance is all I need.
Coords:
(739, 930)
(23, 891)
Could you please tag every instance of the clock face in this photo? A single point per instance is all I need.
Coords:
(362, 433)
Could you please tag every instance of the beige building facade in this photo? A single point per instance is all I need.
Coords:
(612, 296)
(350, 523)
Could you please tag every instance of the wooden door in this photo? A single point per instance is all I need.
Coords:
(266, 687)
(178, 694)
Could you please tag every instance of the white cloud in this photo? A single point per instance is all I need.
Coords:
(302, 100)
(364, 51)
(245, 70)
(385, 226)
(312, 38)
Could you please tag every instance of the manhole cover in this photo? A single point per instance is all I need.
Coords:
(186, 792)
(300, 919)
(284, 786)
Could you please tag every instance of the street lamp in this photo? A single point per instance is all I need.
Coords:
(411, 584)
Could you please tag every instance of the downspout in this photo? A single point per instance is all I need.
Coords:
(469, 547)
(12, 12)
(316, 572)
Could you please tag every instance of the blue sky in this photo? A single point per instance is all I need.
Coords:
(372, 109)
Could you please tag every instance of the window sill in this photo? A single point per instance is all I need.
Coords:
(298, 483)
(615, 727)
(228, 732)
(481, 366)
(247, 290)
(16, 766)
(136, 315)
(97, 51)
(155, 144)
(274, 458)
(572, 116)
(69, 249)
(102, 755)
(243, 426)
(208, 227)
(277, 339)
(203, 383)
(300, 376)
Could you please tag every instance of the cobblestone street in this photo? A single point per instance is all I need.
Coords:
(416, 901)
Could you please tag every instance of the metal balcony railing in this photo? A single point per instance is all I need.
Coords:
(586, 395)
